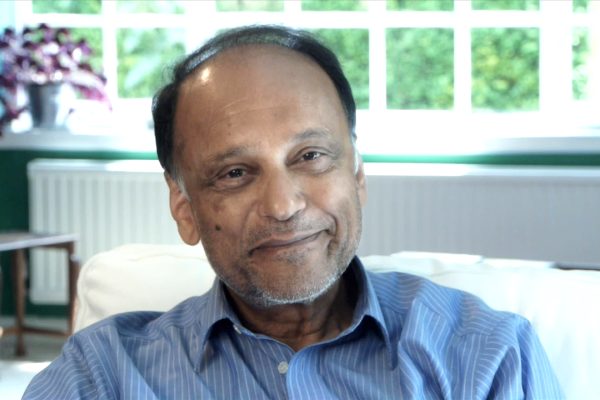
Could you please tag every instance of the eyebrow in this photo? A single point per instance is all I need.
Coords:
(215, 160)
(300, 137)
(324, 134)
(312, 134)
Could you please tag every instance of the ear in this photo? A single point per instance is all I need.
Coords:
(361, 182)
(182, 213)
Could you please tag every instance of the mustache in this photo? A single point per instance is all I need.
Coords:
(286, 228)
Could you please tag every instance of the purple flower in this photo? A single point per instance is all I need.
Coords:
(84, 47)
(85, 66)
(43, 54)
(29, 45)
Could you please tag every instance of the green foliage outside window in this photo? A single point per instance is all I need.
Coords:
(93, 36)
(334, 5)
(420, 65)
(581, 51)
(505, 66)
(580, 5)
(144, 55)
(506, 4)
(150, 6)
(67, 6)
(421, 5)
(420, 62)
(250, 5)
(352, 48)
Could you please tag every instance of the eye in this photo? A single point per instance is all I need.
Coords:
(311, 155)
(314, 161)
(232, 178)
(235, 173)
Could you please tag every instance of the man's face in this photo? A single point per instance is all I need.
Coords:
(263, 146)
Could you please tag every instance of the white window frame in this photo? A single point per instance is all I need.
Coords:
(560, 125)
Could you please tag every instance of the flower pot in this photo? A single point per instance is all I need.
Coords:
(50, 105)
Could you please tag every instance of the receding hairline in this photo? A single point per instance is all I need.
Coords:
(250, 49)
(243, 50)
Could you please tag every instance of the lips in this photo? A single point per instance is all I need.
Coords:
(277, 243)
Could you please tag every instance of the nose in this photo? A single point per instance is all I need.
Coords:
(281, 197)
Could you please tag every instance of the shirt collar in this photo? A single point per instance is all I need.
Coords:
(218, 309)
(368, 307)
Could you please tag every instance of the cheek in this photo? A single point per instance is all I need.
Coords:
(219, 218)
(334, 194)
(217, 213)
(341, 201)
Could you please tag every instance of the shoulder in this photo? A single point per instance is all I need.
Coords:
(498, 352)
(147, 323)
(409, 298)
(95, 359)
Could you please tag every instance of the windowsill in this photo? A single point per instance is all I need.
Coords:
(40, 139)
(414, 133)
(391, 133)
(490, 146)
(144, 143)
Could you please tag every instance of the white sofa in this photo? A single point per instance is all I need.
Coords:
(560, 304)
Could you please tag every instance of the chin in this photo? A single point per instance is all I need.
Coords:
(296, 291)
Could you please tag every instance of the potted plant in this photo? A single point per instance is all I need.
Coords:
(45, 61)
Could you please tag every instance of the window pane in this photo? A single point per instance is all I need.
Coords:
(250, 5)
(580, 5)
(505, 4)
(67, 6)
(505, 69)
(144, 55)
(150, 6)
(334, 5)
(421, 5)
(93, 37)
(581, 52)
(420, 68)
(352, 48)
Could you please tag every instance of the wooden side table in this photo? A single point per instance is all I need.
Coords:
(18, 243)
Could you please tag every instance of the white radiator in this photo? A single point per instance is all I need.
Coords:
(106, 203)
(531, 213)
(543, 213)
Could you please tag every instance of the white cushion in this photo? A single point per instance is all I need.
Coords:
(140, 277)
(560, 304)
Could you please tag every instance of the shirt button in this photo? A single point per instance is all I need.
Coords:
(282, 367)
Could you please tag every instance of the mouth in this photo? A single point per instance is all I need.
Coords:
(277, 243)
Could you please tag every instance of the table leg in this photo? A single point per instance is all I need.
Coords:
(73, 275)
(19, 267)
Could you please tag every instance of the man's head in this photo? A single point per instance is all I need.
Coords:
(266, 174)
(165, 101)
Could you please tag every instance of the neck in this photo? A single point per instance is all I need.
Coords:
(301, 325)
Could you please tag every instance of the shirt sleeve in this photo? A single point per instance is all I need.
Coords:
(67, 377)
(524, 370)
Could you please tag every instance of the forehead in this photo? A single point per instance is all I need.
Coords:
(249, 67)
(255, 87)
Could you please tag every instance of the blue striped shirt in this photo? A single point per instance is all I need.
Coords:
(409, 339)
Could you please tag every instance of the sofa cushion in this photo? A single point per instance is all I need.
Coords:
(139, 277)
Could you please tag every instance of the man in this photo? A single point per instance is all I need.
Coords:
(256, 135)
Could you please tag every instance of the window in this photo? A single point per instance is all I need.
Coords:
(428, 75)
